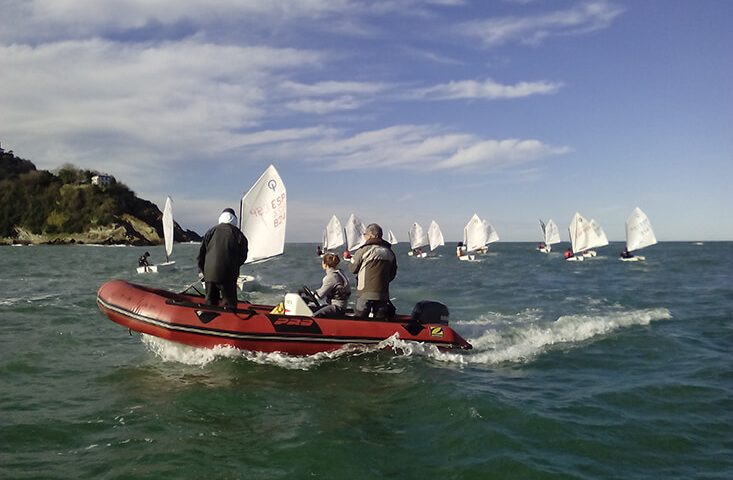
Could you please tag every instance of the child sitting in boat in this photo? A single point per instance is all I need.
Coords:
(626, 254)
(335, 289)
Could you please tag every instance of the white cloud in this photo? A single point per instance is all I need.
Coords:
(164, 99)
(583, 18)
(73, 19)
(488, 89)
(196, 110)
(333, 88)
(278, 136)
(329, 96)
(320, 107)
(48, 20)
(408, 147)
(494, 154)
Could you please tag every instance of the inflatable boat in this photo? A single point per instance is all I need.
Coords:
(289, 327)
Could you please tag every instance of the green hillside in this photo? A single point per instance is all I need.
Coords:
(37, 206)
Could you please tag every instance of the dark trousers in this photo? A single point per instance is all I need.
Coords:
(380, 309)
(226, 291)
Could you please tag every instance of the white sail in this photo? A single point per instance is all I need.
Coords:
(639, 233)
(417, 236)
(552, 233)
(354, 233)
(333, 235)
(435, 236)
(491, 233)
(599, 236)
(544, 231)
(581, 233)
(391, 238)
(263, 216)
(474, 234)
(168, 227)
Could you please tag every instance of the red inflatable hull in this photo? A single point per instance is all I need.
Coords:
(188, 320)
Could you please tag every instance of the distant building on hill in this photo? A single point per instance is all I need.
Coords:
(103, 180)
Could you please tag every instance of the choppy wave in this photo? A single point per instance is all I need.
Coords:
(37, 300)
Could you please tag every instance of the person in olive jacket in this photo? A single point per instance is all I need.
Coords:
(223, 250)
(374, 265)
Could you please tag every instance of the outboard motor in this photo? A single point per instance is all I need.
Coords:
(427, 311)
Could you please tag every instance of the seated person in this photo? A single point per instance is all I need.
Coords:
(143, 260)
(541, 246)
(319, 251)
(626, 254)
(568, 253)
(335, 289)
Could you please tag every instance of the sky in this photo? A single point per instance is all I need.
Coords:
(398, 111)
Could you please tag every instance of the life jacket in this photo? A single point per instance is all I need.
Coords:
(342, 291)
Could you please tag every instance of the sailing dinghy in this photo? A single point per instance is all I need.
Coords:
(391, 238)
(263, 218)
(550, 236)
(474, 239)
(639, 234)
(168, 238)
(435, 236)
(600, 236)
(585, 235)
(333, 235)
(354, 233)
(418, 240)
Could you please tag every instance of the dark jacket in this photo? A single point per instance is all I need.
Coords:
(374, 265)
(223, 250)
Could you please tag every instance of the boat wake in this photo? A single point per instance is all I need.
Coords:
(175, 352)
(521, 338)
(496, 339)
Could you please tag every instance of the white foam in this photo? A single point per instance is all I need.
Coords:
(32, 299)
(509, 339)
(175, 352)
(524, 342)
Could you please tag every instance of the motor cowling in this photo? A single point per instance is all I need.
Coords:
(428, 311)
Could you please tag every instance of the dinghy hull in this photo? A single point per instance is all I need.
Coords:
(633, 259)
(186, 319)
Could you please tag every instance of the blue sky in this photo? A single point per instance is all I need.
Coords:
(397, 111)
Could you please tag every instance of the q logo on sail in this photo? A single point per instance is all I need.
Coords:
(272, 185)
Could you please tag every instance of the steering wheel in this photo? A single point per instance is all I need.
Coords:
(310, 297)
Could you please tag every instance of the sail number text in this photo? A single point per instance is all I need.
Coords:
(276, 205)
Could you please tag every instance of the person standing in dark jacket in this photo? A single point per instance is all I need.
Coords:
(374, 265)
(223, 250)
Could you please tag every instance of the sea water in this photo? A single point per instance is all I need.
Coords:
(589, 370)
